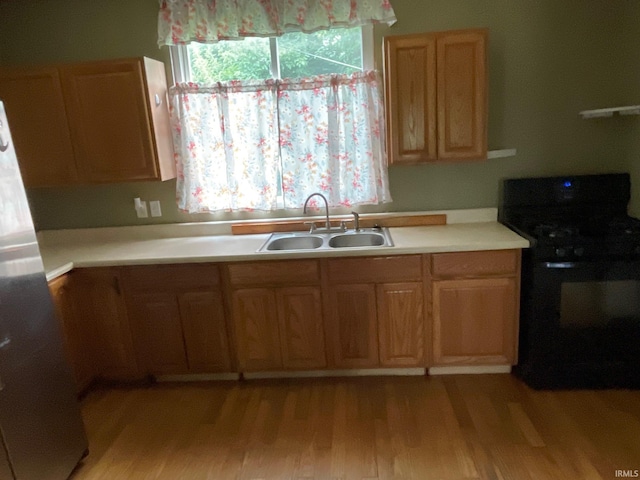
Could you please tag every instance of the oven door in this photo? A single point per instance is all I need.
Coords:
(581, 323)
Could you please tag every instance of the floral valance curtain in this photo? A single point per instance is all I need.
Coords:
(239, 145)
(208, 21)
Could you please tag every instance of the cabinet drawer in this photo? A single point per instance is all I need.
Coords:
(174, 277)
(375, 269)
(274, 273)
(467, 264)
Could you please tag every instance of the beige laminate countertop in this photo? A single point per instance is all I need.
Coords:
(64, 250)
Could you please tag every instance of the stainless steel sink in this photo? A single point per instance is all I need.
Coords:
(297, 242)
(357, 239)
(363, 238)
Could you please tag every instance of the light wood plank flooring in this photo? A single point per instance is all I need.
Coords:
(445, 428)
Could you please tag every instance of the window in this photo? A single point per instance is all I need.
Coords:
(293, 55)
(261, 123)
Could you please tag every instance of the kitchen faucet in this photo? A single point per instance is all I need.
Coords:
(356, 221)
(326, 209)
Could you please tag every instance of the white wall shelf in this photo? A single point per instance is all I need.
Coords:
(507, 152)
(608, 112)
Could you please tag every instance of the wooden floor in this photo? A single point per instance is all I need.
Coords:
(452, 427)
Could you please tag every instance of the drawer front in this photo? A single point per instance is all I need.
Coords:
(173, 277)
(469, 264)
(274, 273)
(404, 268)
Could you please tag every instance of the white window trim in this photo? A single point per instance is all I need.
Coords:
(182, 71)
(367, 47)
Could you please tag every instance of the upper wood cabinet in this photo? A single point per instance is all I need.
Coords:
(36, 111)
(95, 122)
(436, 96)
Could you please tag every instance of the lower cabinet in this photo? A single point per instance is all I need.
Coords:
(475, 307)
(178, 319)
(376, 312)
(101, 308)
(353, 326)
(75, 333)
(277, 326)
(401, 324)
(341, 313)
(204, 328)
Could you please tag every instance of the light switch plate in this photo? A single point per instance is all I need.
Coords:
(156, 211)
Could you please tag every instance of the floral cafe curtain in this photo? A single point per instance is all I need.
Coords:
(239, 144)
(208, 21)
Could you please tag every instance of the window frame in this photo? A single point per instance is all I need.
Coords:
(181, 69)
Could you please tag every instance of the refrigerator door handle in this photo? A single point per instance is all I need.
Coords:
(3, 146)
(3, 343)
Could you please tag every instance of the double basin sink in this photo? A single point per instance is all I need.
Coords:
(364, 237)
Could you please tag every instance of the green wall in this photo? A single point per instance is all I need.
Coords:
(630, 70)
(548, 60)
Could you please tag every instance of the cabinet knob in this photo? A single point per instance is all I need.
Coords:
(158, 100)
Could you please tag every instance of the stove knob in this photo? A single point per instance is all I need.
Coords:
(578, 251)
(561, 252)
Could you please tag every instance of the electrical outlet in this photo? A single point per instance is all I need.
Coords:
(141, 208)
(156, 211)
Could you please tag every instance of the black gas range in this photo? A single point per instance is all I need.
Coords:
(583, 237)
(580, 302)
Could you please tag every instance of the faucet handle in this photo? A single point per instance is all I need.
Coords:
(312, 226)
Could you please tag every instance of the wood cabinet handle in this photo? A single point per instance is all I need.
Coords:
(116, 285)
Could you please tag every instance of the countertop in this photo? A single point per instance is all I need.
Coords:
(64, 250)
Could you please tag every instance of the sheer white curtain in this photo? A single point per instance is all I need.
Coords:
(226, 146)
(332, 140)
(240, 144)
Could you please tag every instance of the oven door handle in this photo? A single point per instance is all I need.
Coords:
(560, 265)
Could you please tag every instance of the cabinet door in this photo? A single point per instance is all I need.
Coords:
(38, 120)
(205, 332)
(103, 309)
(255, 318)
(109, 121)
(76, 340)
(462, 95)
(474, 321)
(158, 333)
(300, 325)
(410, 88)
(352, 326)
(401, 324)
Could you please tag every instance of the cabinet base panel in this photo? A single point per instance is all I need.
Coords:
(197, 377)
(469, 369)
(362, 372)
